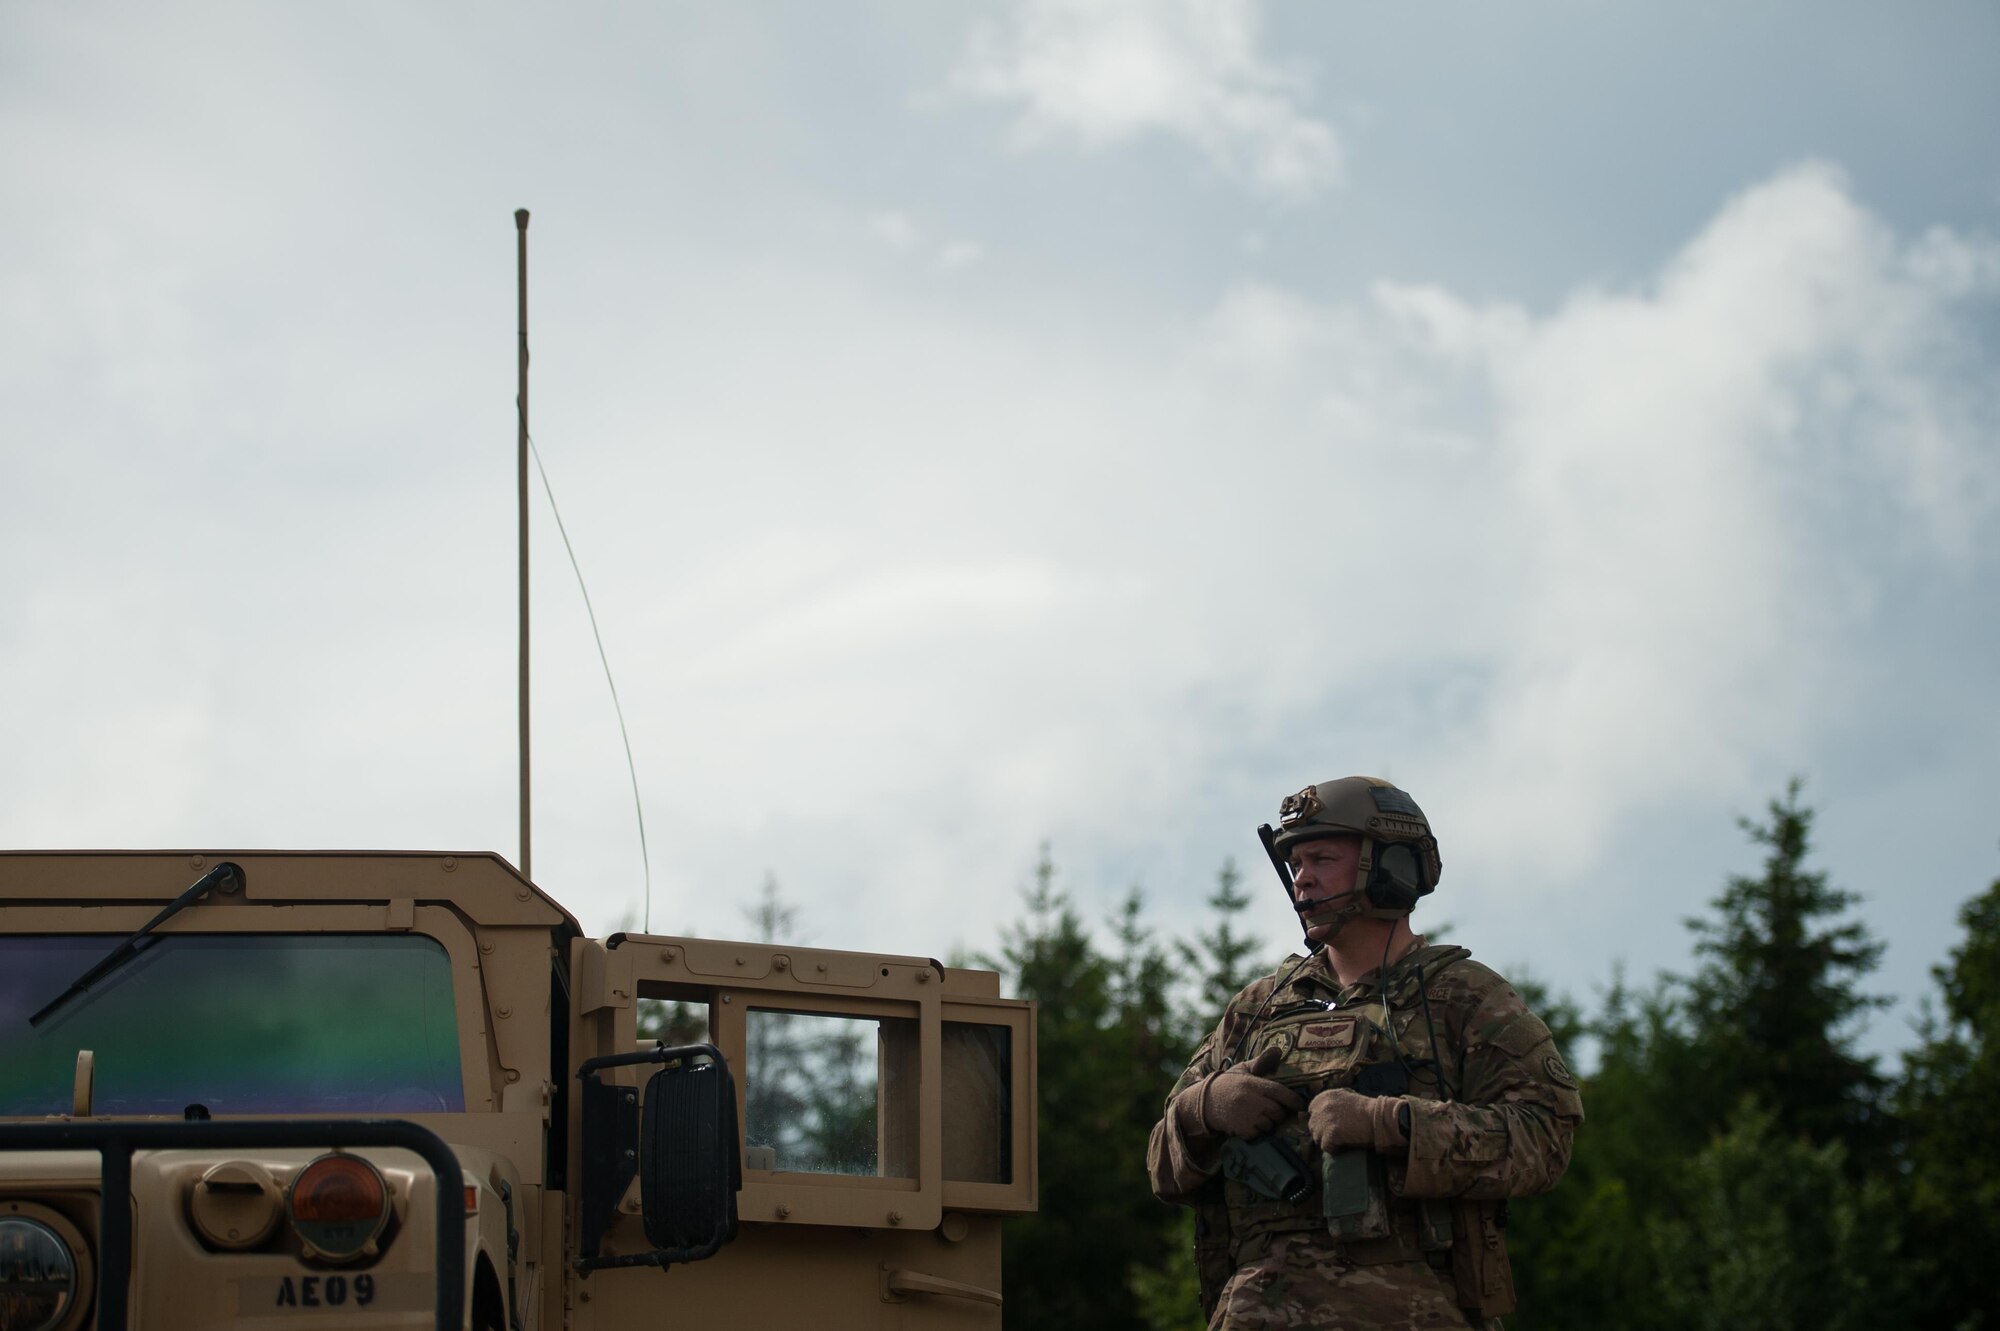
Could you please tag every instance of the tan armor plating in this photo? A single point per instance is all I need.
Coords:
(907, 1237)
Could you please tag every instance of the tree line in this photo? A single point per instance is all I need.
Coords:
(1743, 1165)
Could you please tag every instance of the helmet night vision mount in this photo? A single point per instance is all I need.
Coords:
(1399, 860)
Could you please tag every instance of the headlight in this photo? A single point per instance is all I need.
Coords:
(38, 1285)
(339, 1205)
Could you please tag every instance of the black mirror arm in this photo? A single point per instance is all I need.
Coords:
(662, 1054)
(660, 1257)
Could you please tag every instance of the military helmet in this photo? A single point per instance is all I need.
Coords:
(1399, 856)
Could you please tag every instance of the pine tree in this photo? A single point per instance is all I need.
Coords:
(1155, 1041)
(1773, 1233)
(1581, 1259)
(1111, 1043)
(1222, 956)
(772, 919)
(1949, 1098)
(1064, 1262)
(1169, 1294)
(1775, 1005)
(1220, 961)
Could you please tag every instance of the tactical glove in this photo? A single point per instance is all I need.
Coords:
(1343, 1118)
(1241, 1101)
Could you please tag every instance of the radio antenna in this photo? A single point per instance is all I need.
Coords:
(521, 476)
(525, 451)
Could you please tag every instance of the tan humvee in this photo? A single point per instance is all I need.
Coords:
(845, 1144)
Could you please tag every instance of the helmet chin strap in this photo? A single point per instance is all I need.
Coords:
(1337, 911)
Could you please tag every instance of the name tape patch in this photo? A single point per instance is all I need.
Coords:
(1327, 1034)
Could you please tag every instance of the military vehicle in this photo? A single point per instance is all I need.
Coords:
(273, 1089)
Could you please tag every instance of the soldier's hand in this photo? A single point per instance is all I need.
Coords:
(1341, 1119)
(1241, 1101)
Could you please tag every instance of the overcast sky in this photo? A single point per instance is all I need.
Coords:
(988, 423)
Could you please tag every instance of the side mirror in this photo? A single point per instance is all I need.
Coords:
(690, 1166)
(684, 1149)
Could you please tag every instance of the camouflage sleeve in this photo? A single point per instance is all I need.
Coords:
(1181, 1166)
(1508, 1132)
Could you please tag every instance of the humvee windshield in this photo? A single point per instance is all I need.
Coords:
(238, 1024)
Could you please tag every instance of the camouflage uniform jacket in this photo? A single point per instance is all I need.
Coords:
(1492, 1112)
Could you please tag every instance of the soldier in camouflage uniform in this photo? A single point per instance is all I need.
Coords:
(1351, 1131)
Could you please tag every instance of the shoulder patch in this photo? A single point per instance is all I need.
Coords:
(1515, 1031)
(1558, 1072)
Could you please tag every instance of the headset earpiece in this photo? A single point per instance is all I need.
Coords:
(1396, 878)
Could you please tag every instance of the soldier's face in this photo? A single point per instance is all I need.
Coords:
(1322, 872)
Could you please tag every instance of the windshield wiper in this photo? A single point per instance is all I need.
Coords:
(226, 871)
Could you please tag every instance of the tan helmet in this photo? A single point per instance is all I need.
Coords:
(1399, 856)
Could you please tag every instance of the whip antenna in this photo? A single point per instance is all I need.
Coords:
(524, 450)
(604, 658)
(521, 477)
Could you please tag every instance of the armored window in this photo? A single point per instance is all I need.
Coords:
(239, 1024)
(830, 1094)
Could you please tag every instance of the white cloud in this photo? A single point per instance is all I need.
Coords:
(1100, 73)
(901, 232)
(1666, 494)
(955, 254)
(901, 577)
(904, 563)
(1557, 568)
(894, 229)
